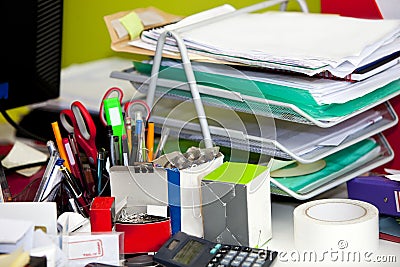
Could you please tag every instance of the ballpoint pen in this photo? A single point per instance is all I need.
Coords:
(100, 167)
(54, 156)
(161, 143)
(77, 157)
(110, 148)
(139, 147)
(128, 128)
(125, 151)
(73, 187)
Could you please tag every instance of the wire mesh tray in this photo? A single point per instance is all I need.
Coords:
(386, 154)
(242, 103)
(263, 135)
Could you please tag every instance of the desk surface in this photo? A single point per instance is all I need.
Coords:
(282, 236)
(282, 211)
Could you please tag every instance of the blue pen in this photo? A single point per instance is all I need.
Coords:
(138, 132)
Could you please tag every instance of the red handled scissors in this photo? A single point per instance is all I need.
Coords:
(109, 92)
(131, 108)
(83, 128)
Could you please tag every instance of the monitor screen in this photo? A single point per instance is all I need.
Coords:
(30, 51)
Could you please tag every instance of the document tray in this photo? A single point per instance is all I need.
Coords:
(212, 96)
(243, 131)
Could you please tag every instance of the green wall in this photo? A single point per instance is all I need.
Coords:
(85, 37)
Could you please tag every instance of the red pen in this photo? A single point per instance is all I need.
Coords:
(71, 158)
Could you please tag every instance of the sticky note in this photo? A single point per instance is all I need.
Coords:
(132, 24)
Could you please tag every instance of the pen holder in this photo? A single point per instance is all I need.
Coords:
(184, 194)
(140, 186)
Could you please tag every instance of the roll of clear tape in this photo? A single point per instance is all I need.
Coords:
(336, 224)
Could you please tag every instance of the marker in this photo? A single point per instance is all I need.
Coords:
(61, 150)
(71, 158)
(150, 140)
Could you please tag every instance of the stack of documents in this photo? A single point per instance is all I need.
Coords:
(260, 134)
(337, 165)
(319, 97)
(291, 41)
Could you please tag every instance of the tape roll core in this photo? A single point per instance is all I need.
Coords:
(327, 212)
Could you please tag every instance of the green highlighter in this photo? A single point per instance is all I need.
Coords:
(113, 111)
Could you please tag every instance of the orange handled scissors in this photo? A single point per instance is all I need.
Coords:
(78, 120)
(108, 93)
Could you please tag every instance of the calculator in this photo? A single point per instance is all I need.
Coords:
(184, 250)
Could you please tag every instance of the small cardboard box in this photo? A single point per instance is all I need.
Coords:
(236, 204)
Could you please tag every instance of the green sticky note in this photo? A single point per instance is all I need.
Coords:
(132, 24)
(236, 172)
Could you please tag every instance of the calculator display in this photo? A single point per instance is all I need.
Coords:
(189, 251)
(183, 250)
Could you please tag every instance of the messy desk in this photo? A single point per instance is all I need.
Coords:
(238, 158)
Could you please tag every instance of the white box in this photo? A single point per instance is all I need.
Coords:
(237, 204)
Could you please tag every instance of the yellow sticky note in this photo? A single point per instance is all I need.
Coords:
(132, 24)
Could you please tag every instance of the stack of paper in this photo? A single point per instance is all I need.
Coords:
(258, 83)
(255, 91)
(293, 41)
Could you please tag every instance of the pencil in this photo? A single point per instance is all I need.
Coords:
(60, 146)
(150, 140)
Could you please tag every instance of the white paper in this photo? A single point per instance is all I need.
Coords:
(307, 43)
(42, 214)
(22, 154)
(83, 248)
(15, 233)
(88, 82)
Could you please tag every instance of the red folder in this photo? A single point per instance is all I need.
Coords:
(367, 9)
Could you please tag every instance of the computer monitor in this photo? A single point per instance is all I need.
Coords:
(30, 51)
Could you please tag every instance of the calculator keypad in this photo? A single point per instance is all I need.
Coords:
(237, 256)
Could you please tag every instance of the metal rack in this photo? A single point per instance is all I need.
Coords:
(201, 130)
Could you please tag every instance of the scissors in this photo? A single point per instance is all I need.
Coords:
(108, 93)
(134, 106)
(83, 127)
